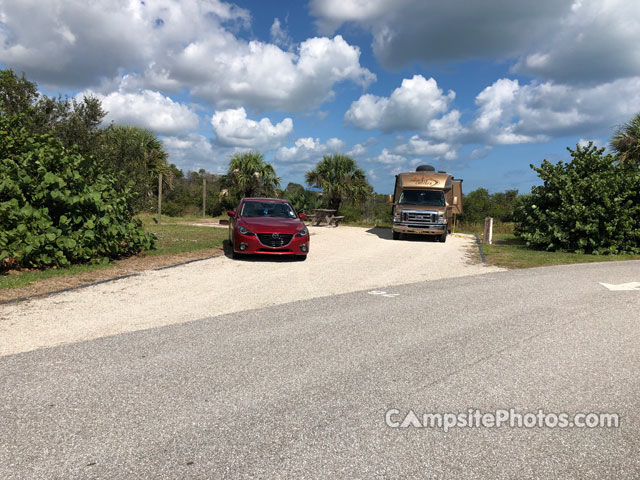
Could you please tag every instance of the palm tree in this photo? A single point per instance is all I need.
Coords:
(139, 155)
(304, 201)
(251, 176)
(626, 141)
(340, 179)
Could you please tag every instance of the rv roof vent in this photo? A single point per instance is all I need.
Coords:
(425, 168)
(441, 171)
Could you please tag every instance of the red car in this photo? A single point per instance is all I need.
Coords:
(268, 226)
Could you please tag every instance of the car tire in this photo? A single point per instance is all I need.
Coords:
(443, 237)
(396, 235)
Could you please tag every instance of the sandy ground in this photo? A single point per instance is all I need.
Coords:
(117, 268)
(343, 259)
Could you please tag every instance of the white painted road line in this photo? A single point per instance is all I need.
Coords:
(622, 286)
(383, 294)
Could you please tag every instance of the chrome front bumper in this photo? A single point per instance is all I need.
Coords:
(434, 229)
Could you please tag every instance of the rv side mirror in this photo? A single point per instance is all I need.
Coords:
(389, 198)
(455, 200)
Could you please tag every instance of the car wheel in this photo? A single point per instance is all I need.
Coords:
(443, 237)
(396, 235)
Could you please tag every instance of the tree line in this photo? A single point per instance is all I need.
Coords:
(132, 154)
(64, 196)
(70, 188)
(336, 181)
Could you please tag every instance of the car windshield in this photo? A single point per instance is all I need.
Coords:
(267, 209)
(422, 197)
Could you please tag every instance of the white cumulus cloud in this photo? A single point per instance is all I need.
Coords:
(309, 149)
(263, 76)
(75, 43)
(591, 45)
(194, 151)
(171, 44)
(234, 129)
(417, 146)
(389, 158)
(512, 113)
(443, 30)
(409, 107)
(574, 41)
(147, 109)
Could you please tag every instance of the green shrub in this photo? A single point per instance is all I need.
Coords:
(589, 205)
(304, 201)
(56, 208)
(479, 204)
(351, 213)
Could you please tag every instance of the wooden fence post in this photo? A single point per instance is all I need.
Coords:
(159, 196)
(487, 235)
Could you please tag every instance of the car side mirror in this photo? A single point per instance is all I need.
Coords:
(390, 199)
(231, 213)
(302, 216)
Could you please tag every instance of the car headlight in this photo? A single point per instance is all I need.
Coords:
(442, 218)
(302, 232)
(244, 231)
(396, 219)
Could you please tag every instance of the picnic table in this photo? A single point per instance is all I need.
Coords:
(321, 215)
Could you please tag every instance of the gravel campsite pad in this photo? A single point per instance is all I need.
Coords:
(342, 260)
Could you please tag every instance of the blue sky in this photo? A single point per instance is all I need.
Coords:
(480, 89)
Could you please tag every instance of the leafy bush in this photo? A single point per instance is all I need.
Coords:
(304, 201)
(590, 205)
(480, 204)
(351, 213)
(56, 208)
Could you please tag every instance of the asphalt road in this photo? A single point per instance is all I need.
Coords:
(300, 390)
(342, 260)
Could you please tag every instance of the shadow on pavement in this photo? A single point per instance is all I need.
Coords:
(380, 232)
(386, 234)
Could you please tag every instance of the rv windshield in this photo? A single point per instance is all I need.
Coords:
(422, 197)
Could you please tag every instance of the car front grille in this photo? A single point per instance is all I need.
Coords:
(277, 241)
(420, 217)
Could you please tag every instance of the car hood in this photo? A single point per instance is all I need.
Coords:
(271, 225)
(425, 208)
